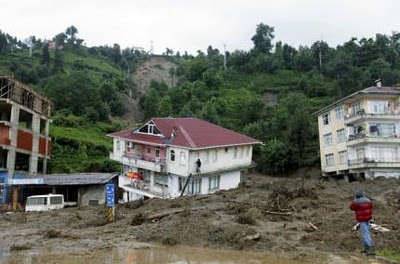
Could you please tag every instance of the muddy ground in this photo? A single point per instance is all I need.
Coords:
(272, 214)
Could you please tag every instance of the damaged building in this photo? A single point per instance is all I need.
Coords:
(25, 144)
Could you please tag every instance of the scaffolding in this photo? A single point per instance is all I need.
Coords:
(11, 89)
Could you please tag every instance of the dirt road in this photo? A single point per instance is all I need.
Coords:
(265, 214)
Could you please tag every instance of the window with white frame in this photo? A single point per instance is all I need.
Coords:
(339, 112)
(356, 108)
(172, 155)
(378, 107)
(328, 139)
(194, 186)
(326, 118)
(129, 146)
(213, 182)
(182, 158)
(360, 154)
(341, 135)
(343, 157)
(329, 160)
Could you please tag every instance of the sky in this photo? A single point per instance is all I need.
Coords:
(191, 25)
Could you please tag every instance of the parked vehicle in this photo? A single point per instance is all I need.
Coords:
(44, 202)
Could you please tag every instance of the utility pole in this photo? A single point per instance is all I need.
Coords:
(224, 56)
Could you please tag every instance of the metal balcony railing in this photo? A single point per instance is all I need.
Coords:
(138, 156)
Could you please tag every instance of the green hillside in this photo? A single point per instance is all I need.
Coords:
(268, 92)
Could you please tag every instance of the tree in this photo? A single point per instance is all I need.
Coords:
(45, 58)
(263, 38)
(58, 61)
(3, 43)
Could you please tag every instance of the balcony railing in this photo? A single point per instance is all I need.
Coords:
(145, 188)
(390, 114)
(138, 156)
(368, 160)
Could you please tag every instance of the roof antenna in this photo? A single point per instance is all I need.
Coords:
(378, 83)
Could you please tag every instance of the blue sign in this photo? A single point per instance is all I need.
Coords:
(110, 194)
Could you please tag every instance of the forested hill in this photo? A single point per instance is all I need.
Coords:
(268, 92)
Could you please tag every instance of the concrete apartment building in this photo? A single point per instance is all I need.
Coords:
(167, 157)
(24, 132)
(359, 135)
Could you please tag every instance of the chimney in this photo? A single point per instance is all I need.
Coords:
(378, 83)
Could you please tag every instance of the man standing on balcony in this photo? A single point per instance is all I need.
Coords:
(362, 206)
(198, 165)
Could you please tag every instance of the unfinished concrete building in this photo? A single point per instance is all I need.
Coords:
(25, 144)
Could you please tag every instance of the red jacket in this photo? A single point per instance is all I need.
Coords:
(362, 206)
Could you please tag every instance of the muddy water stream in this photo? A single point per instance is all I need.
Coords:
(175, 255)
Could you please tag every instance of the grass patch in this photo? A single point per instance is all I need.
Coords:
(388, 253)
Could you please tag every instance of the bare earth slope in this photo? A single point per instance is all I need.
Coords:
(266, 214)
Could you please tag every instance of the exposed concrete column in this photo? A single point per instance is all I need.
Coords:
(46, 133)
(11, 155)
(35, 144)
(152, 178)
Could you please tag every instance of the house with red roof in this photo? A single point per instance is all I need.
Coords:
(169, 157)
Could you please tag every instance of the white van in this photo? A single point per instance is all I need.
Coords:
(44, 202)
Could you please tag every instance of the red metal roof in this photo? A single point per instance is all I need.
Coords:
(187, 132)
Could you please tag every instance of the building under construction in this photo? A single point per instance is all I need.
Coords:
(25, 145)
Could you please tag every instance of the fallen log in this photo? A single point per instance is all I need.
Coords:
(277, 213)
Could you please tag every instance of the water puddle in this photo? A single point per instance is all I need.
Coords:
(162, 255)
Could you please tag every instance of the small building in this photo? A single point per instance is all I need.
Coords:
(169, 157)
(359, 134)
(81, 189)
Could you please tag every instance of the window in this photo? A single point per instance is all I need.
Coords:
(339, 112)
(378, 107)
(235, 152)
(213, 182)
(194, 186)
(343, 157)
(382, 130)
(329, 160)
(341, 135)
(161, 179)
(118, 145)
(206, 158)
(172, 155)
(356, 107)
(157, 152)
(326, 118)
(360, 154)
(214, 156)
(328, 139)
(56, 200)
(240, 152)
(129, 146)
(182, 158)
(148, 150)
(248, 151)
(149, 128)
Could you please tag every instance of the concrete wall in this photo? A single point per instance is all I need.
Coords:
(91, 192)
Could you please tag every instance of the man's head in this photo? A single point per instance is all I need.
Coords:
(359, 193)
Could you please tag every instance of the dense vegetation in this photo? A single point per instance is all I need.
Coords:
(237, 90)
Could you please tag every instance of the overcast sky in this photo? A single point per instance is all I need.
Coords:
(194, 25)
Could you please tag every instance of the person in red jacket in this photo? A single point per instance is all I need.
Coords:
(362, 206)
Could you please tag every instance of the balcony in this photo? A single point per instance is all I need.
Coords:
(144, 188)
(373, 163)
(143, 161)
(362, 138)
(363, 116)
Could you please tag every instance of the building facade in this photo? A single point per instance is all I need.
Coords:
(25, 144)
(359, 135)
(169, 157)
